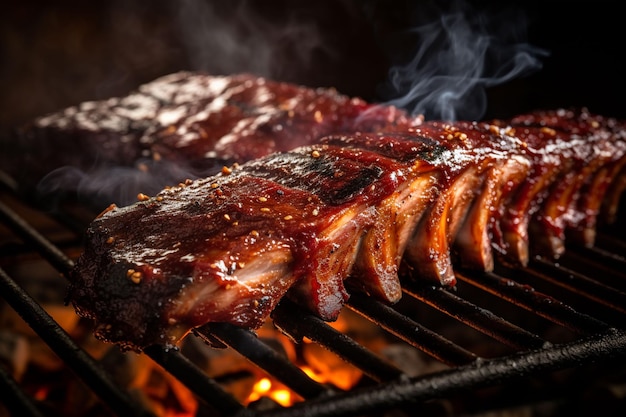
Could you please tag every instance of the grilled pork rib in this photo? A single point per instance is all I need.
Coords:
(183, 125)
(345, 214)
(568, 190)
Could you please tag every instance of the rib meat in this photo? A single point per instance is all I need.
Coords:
(180, 126)
(348, 213)
(570, 189)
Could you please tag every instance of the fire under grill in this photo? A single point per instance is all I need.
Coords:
(549, 336)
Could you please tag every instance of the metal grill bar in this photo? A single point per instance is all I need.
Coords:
(534, 301)
(581, 285)
(410, 331)
(567, 291)
(25, 231)
(605, 345)
(298, 324)
(246, 343)
(596, 268)
(478, 318)
(61, 343)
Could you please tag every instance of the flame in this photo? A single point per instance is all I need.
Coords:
(316, 362)
(264, 387)
(317, 377)
(342, 378)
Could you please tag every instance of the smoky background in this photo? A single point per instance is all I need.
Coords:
(57, 54)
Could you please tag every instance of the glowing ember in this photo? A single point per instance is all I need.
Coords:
(264, 387)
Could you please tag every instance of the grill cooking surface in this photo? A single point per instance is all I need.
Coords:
(509, 338)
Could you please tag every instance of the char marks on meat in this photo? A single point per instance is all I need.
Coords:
(349, 213)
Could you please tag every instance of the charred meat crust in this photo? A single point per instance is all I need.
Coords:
(343, 215)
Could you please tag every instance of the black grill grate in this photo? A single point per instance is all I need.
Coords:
(563, 296)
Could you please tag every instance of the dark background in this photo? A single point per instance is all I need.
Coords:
(56, 54)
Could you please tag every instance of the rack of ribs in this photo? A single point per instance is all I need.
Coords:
(348, 213)
(183, 125)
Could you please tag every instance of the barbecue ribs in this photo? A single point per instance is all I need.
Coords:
(348, 213)
(180, 126)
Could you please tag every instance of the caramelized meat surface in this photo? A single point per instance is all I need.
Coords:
(180, 126)
(346, 214)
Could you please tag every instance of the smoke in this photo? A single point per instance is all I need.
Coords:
(451, 55)
(242, 36)
(99, 186)
(461, 53)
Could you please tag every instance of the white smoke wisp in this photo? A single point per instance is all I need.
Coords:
(459, 56)
(102, 184)
(230, 39)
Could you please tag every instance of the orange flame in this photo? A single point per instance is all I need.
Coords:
(265, 387)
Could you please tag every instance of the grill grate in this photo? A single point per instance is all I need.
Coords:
(591, 310)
